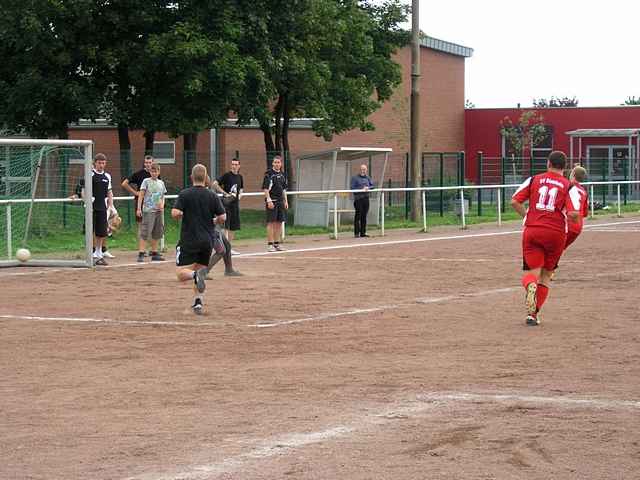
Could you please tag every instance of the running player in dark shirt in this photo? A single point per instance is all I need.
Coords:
(197, 206)
(274, 187)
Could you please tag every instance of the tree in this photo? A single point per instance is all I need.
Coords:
(632, 101)
(527, 132)
(328, 60)
(555, 102)
(131, 84)
(46, 73)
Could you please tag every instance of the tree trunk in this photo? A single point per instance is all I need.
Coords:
(268, 141)
(123, 138)
(149, 138)
(285, 141)
(277, 114)
(190, 142)
(125, 149)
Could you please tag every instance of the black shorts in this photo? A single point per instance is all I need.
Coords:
(233, 216)
(278, 214)
(100, 225)
(186, 258)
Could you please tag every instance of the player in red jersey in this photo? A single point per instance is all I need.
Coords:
(580, 196)
(545, 229)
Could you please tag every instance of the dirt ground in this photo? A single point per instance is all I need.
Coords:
(406, 357)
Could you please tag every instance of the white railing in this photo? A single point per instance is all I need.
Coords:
(424, 190)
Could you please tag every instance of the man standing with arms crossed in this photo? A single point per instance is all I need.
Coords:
(545, 229)
(274, 187)
(231, 186)
(197, 206)
(132, 185)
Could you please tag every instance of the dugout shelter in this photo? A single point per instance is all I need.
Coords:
(332, 170)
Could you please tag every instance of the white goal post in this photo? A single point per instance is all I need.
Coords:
(36, 186)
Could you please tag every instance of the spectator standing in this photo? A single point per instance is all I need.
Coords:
(275, 187)
(132, 185)
(231, 186)
(102, 202)
(150, 209)
(362, 182)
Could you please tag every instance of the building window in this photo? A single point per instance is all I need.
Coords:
(164, 152)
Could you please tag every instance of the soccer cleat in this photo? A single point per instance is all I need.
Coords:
(157, 258)
(199, 279)
(108, 254)
(233, 273)
(140, 257)
(197, 307)
(533, 320)
(531, 298)
(278, 247)
(272, 248)
(364, 235)
(101, 261)
(234, 252)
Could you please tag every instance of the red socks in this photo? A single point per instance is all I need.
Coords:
(541, 295)
(529, 278)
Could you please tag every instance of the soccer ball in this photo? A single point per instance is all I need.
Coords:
(23, 254)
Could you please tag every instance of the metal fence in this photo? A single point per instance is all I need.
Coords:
(459, 196)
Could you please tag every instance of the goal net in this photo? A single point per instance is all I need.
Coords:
(41, 209)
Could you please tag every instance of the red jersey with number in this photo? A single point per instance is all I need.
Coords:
(549, 201)
(579, 196)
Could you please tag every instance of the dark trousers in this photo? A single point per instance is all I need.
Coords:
(360, 222)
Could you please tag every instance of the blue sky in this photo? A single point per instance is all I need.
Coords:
(525, 50)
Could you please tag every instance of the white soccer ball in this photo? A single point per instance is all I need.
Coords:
(23, 254)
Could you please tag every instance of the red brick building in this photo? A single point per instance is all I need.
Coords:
(442, 102)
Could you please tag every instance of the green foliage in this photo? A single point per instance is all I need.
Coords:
(527, 132)
(182, 66)
(323, 59)
(555, 102)
(46, 72)
(632, 101)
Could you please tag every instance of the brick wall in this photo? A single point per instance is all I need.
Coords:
(442, 125)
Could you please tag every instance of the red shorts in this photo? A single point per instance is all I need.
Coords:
(542, 247)
(571, 237)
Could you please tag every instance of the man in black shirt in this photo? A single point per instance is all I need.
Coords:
(231, 185)
(102, 202)
(274, 186)
(197, 206)
(132, 185)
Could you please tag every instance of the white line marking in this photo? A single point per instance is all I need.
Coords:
(287, 444)
(618, 230)
(102, 320)
(499, 398)
(332, 247)
(359, 311)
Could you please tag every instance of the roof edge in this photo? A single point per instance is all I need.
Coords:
(446, 47)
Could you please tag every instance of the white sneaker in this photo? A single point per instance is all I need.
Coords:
(108, 254)
(272, 248)
(234, 252)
